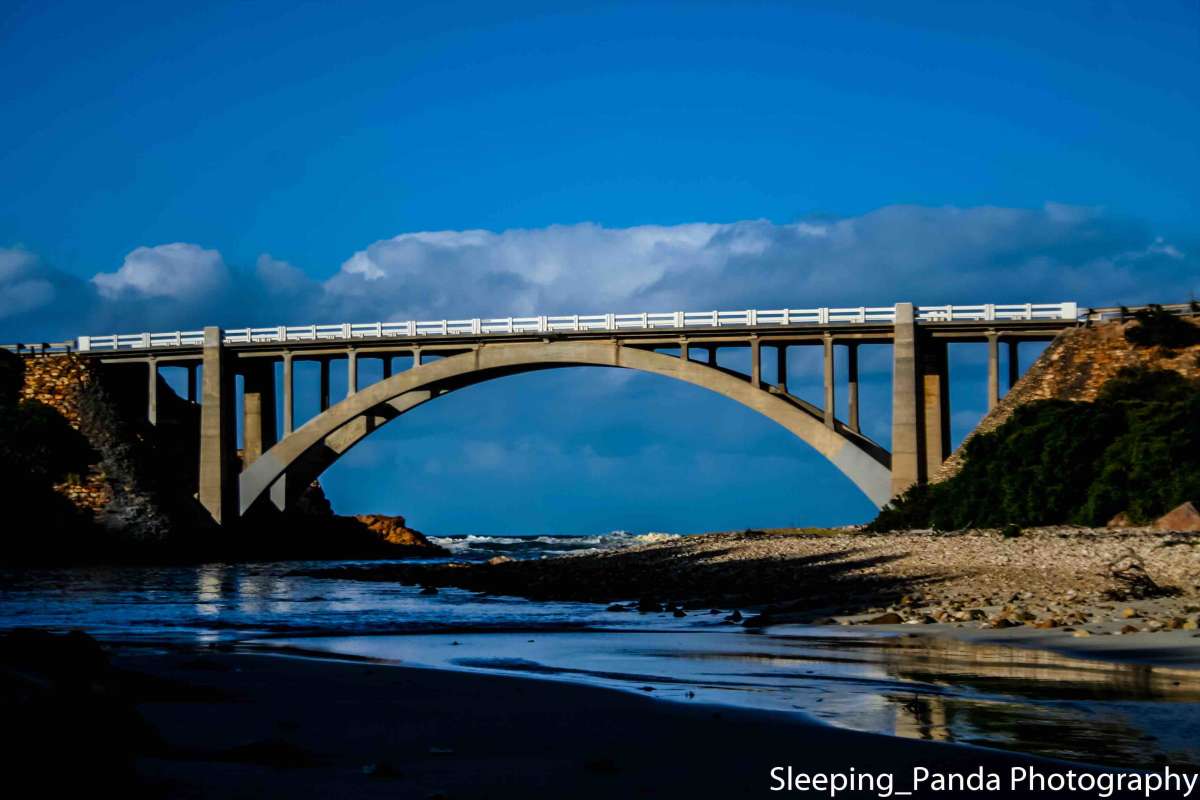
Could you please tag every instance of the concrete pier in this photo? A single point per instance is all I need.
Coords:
(217, 491)
(935, 416)
(258, 411)
(906, 423)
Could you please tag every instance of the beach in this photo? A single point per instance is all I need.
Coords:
(244, 725)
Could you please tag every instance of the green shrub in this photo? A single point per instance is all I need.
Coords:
(1136, 449)
(1159, 327)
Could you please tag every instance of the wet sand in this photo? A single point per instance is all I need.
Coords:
(297, 727)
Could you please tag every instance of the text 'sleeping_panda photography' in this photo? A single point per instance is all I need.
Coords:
(600, 400)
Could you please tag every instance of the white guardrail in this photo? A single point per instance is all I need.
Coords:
(580, 323)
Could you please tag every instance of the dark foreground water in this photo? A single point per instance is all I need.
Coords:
(1026, 700)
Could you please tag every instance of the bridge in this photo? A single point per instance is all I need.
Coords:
(279, 458)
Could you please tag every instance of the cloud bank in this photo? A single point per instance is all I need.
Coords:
(927, 255)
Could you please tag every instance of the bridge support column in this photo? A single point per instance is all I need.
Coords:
(830, 396)
(683, 350)
(935, 387)
(993, 387)
(289, 403)
(755, 362)
(387, 366)
(1014, 363)
(712, 356)
(191, 383)
(324, 397)
(416, 357)
(258, 411)
(351, 373)
(906, 428)
(852, 380)
(781, 367)
(217, 487)
(152, 392)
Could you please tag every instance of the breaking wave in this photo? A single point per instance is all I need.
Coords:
(474, 547)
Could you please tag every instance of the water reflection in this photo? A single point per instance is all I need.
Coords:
(1028, 700)
(916, 687)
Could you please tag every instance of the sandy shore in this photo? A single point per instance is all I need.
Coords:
(239, 725)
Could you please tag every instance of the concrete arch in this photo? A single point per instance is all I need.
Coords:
(297, 459)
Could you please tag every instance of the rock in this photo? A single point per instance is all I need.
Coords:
(494, 560)
(616, 607)
(1175, 623)
(1128, 613)
(679, 612)
(1154, 625)
(1121, 520)
(1002, 622)
(1190, 625)
(890, 618)
(1181, 518)
(1046, 623)
(1080, 634)
(394, 530)
(1130, 629)
(736, 616)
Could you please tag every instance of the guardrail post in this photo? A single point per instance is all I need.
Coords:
(84, 344)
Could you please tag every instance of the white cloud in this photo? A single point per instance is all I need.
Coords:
(21, 285)
(179, 271)
(927, 255)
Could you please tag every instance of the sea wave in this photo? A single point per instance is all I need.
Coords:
(481, 547)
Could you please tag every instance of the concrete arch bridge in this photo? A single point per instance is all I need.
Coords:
(280, 457)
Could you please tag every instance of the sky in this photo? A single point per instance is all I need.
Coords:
(167, 167)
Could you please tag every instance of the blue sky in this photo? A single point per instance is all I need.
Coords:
(165, 167)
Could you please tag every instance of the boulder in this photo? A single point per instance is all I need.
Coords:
(393, 530)
(1121, 520)
(890, 618)
(1185, 517)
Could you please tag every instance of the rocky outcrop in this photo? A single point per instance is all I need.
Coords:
(1185, 517)
(1075, 367)
(394, 530)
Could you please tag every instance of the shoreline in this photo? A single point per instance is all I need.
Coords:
(419, 732)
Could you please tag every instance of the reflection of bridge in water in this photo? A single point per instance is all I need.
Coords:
(1027, 699)
(281, 458)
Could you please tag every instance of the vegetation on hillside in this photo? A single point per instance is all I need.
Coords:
(1136, 449)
